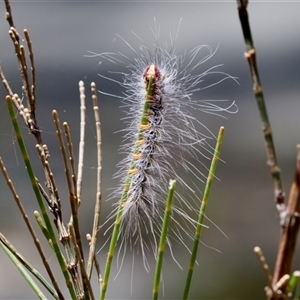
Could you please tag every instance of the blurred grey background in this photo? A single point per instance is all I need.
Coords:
(241, 203)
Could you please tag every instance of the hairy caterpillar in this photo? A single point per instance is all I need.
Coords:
(162, 141)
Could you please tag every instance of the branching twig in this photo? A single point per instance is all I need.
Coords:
(33, 271)
(23, 267)
(258, 92)
(50, 194)
(30, 229)
(65, 235)
(290, 214)
(86, 283)
(36, 190)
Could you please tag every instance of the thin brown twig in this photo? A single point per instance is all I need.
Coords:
(289, 229)
(28, 114)
(30, 229)
(82, 140)
(53, 199)
(263, 262)
(97, 209)
(71, 182)
(8, 15)
(71, 159)
(24, 263)
(28, 88)
(20, 53)
(33, 78)
(16, 99)
(250, 55)
(98, 270)
(26, 83)
(280, 286)
(62, 150)
(290, 214)
(29, 117)
(73, 191)
(6, 84)
(97, 265)
(86, 282)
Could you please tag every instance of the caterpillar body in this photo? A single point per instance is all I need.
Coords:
(162, 142)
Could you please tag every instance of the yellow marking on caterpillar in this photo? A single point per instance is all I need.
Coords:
(124, 204)
(140, 142)
(133, 171)
(145, 127)
(137, 156)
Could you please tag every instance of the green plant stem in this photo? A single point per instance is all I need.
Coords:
(293, 282)
(42, 226)
(163, 239)
(31, 231)
(37, 193)
(19, 261)
(24, 273)
(202, 210)
(116, 228)
(258, 93)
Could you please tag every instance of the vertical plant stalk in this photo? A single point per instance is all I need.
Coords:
(29, 116)
(97, 210)
(72, 185)
(28, 77)
(19, 261)
(289, 216)
(82, 140)
(88, 292)
(265, 266)
(163, 239)
(8, 14)
(289, 229)
(259, 96)
(117, 225)
(202, 210)
(43, 228)
(293, 286)
(72, 259)
(24, 272)
(36, 190)
(31, 231)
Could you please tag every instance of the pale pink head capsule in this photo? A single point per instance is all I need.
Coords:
(152, 73)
